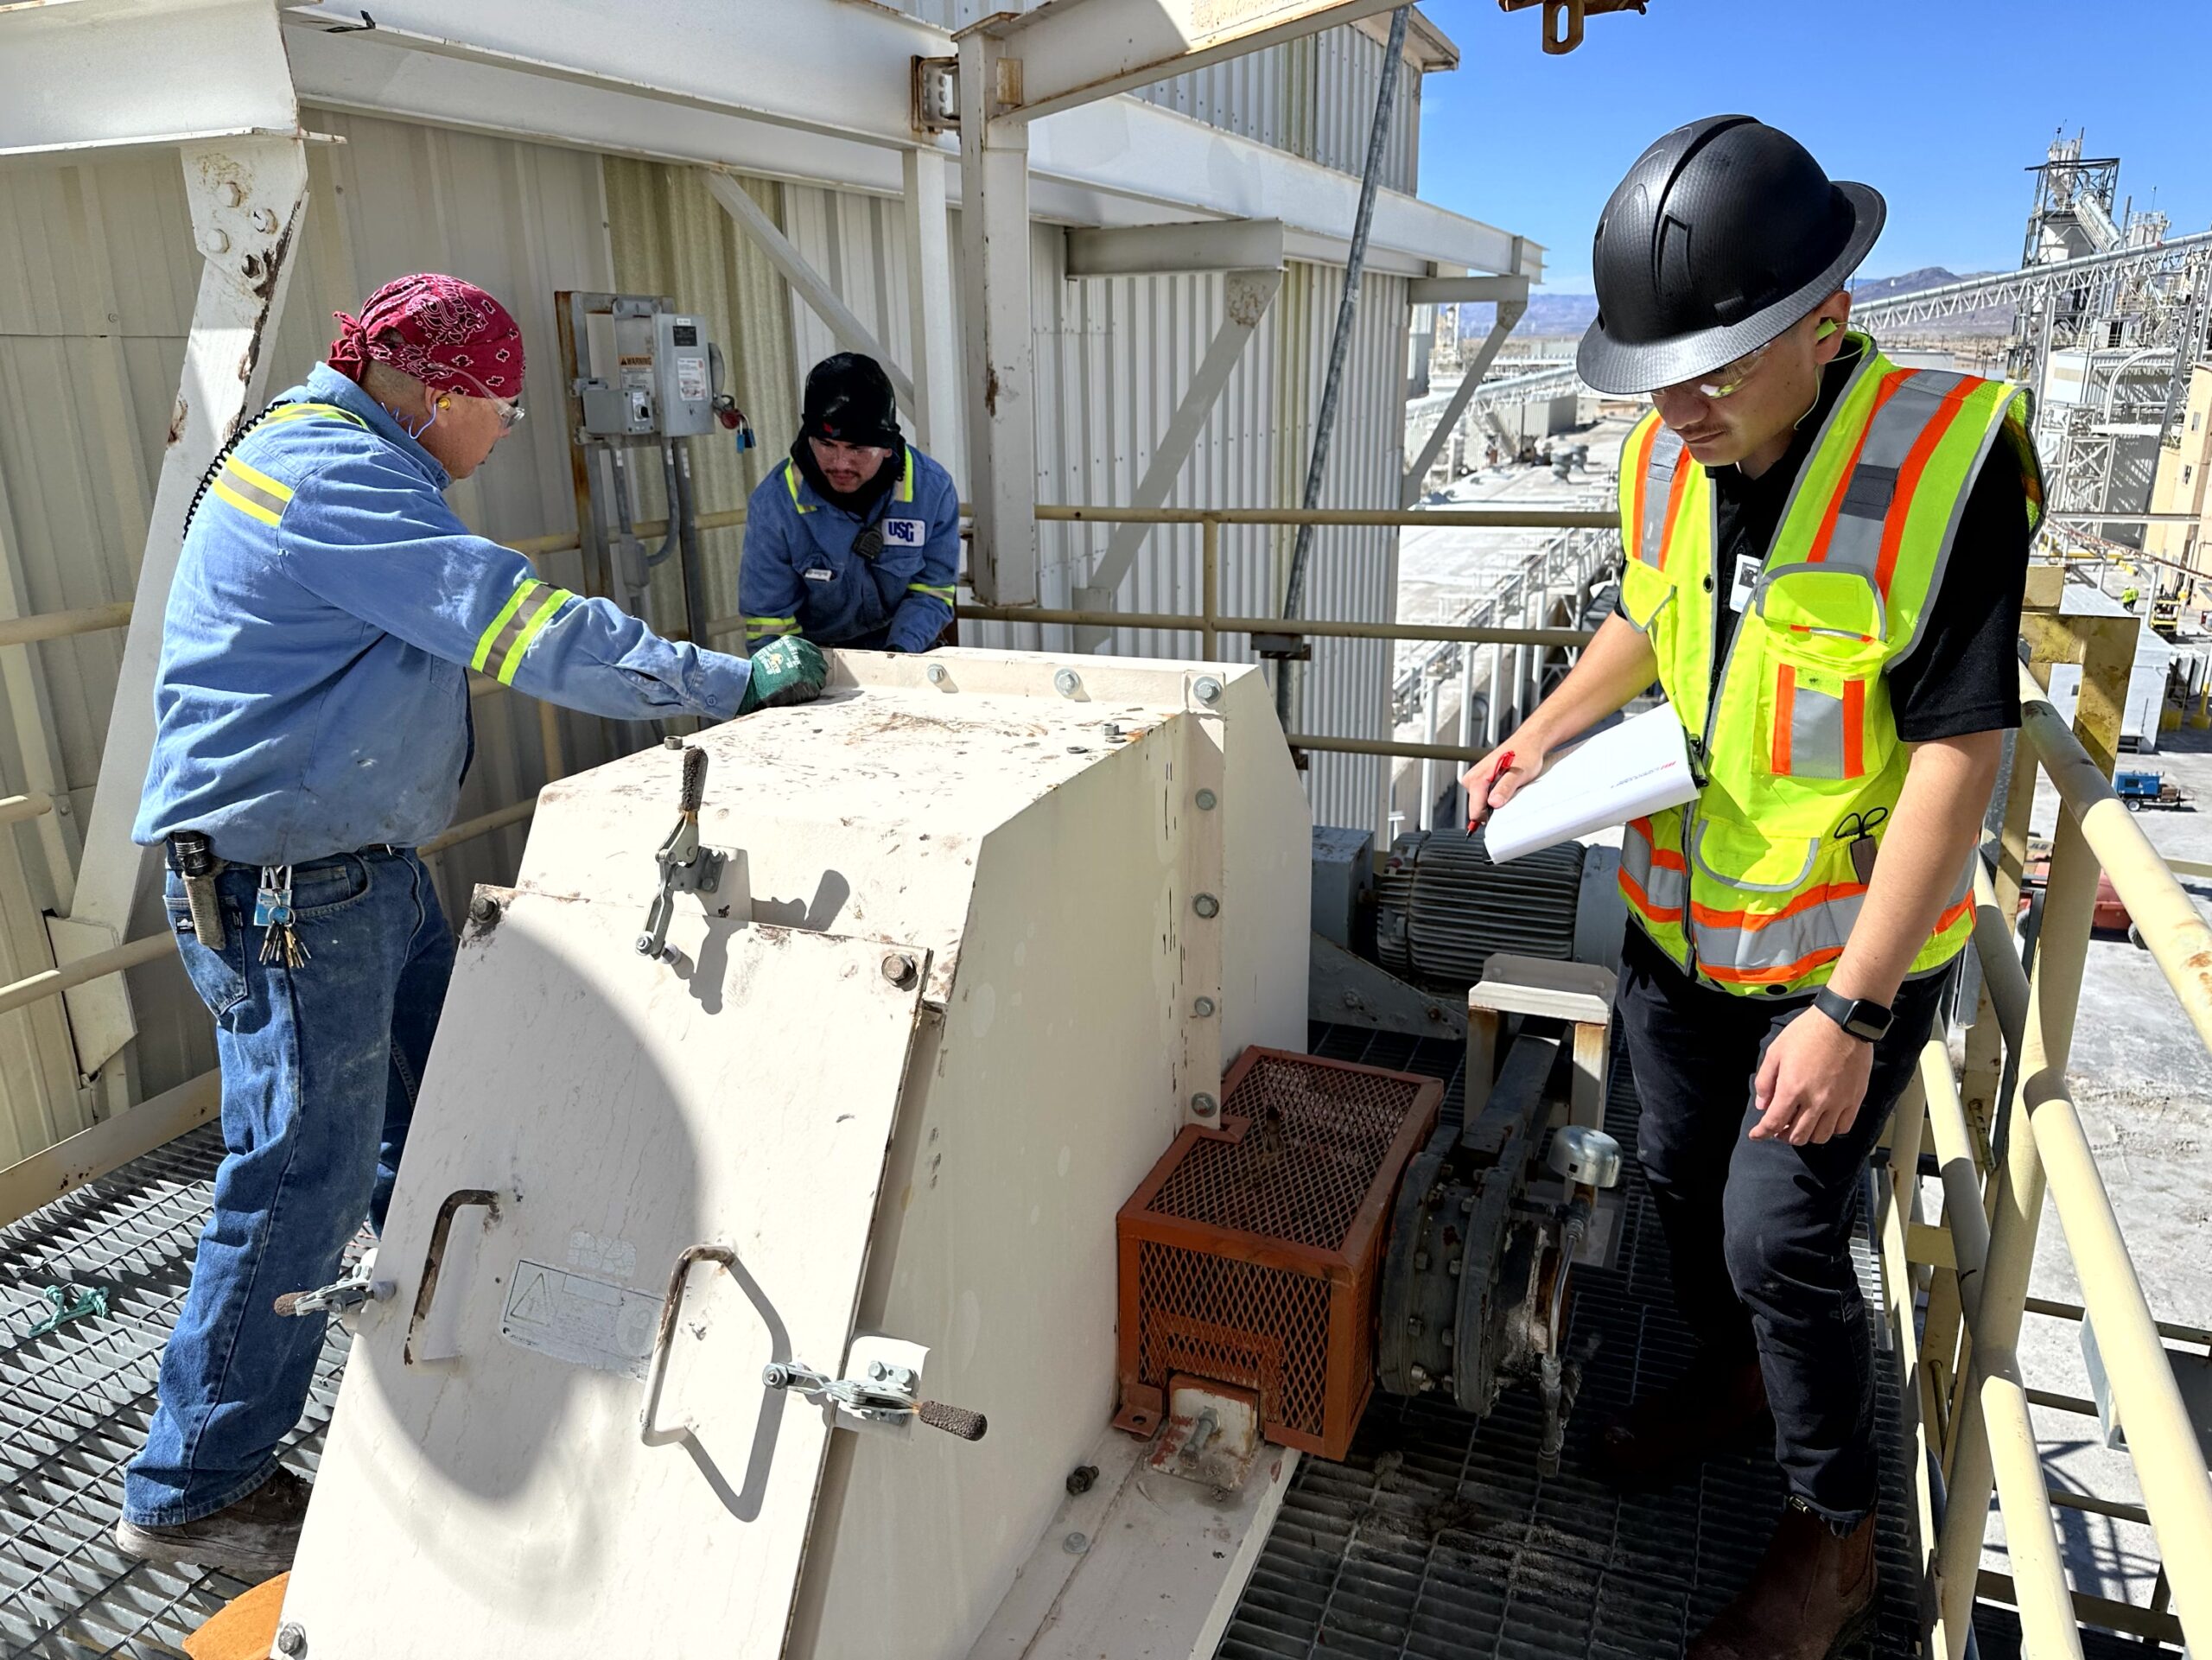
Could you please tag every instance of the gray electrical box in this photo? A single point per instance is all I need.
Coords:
(683, 376)
(643, 372)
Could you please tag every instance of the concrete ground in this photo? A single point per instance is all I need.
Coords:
(2143, 1084)
(1441, 571)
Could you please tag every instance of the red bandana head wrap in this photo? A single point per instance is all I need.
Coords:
(451, 335)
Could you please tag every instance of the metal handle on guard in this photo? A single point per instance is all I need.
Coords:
(671, 1306)
(434, 1259)
(954, 1420)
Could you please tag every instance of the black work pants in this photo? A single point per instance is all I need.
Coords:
(1759, 1232)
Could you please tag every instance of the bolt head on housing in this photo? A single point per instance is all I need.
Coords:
(1206, 905)
(1206, 689)
(483, 909)
(1203, 1105)
(1203, 1007)
(1067, 682)
(1207, 800)
(899, 970)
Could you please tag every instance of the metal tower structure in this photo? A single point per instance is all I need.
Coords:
(2109, 313)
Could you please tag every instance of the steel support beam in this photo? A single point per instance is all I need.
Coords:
(1072, 52)
(807, 283)
(929, 303)
(107, 74)
(1249, 245)
(1509, 312)
(1247, 295)
(247, 198)
(994, 238)
(1466, 290)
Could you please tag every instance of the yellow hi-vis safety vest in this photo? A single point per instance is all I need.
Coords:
(1754, 887)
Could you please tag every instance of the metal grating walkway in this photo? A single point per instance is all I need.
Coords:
(1437, 1537)
(74, 1403)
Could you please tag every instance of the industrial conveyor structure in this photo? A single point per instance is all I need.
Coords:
(930, 972)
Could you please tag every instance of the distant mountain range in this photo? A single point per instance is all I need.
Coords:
(1564, 316)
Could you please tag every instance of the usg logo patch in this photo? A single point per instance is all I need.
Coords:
(902, 532)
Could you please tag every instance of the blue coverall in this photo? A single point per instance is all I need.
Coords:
(312, 708)
(802, 574)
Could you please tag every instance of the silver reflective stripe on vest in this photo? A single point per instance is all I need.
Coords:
(1816, 734)
(1667, 888)
(1658, 491)
(1856, 544)
(1781, 942)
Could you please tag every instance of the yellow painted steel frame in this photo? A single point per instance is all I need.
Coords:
(1968, 1405)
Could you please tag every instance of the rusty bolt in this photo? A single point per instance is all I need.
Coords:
(1206, 905)
(233, 193)
(291, 1638)
(899, 970)
(483, 910)
(264, 220)
(1082, 1478)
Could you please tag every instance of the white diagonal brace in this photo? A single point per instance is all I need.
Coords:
(1247, 295)
(248, 198)
(1509, 313)
(810, 283)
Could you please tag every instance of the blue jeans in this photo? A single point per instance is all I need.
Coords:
(320, 1066)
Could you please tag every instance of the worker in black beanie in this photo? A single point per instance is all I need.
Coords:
(855, 540)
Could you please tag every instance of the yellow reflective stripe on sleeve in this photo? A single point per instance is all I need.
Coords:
(244, 503)
(302, 411)
(500, 634)
(790, 483)
(906, 478)
(276, 488)
(945, 592)
(554, 601)
(756, 627)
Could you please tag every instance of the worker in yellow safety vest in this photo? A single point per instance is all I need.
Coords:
(1824, 555)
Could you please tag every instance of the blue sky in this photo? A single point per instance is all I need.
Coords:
(1938, 103)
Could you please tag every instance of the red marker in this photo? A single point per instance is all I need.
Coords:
(1476, 814)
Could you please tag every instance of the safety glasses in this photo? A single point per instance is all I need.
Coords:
(1727, 380)
(509, 414)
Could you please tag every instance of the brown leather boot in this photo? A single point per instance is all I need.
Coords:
(1666, 1436)
(1811, 1598)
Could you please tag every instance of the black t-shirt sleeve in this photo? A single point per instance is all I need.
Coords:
(1962, 675)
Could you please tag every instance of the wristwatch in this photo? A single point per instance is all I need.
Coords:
(1861, 1016)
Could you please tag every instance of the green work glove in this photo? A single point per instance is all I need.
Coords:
(789, 670)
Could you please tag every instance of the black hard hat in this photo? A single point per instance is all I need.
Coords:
(850, 401)
(1724, 233)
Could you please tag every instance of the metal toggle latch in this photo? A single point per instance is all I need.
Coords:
(685, 867)
(358, 1288)
(884, 1396)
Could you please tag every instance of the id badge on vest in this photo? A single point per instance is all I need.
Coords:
(1746, 580)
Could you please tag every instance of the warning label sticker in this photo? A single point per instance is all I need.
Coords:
(690, 378)
(586, 1322)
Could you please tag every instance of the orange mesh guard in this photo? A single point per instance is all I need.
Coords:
(1248, 1255)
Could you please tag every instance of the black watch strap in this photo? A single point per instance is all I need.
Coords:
(1862, 1017)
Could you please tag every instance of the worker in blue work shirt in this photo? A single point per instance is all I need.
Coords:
(312, 728)
(855, 540)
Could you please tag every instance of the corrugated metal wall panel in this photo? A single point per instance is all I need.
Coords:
(97, 279)
(1313, 97)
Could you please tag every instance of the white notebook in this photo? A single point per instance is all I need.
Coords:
(1625, 772)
